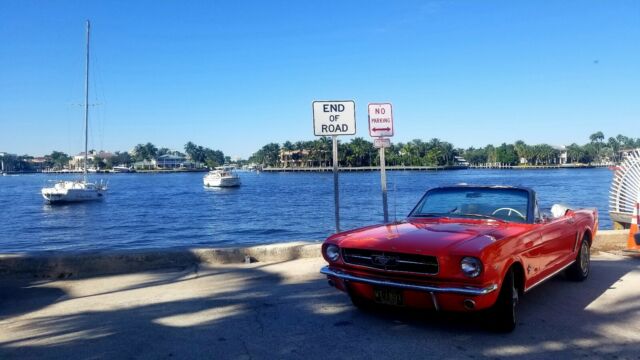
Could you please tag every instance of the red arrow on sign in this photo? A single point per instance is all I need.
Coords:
(381, 129)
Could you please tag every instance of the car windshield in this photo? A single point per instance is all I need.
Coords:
(503, 204)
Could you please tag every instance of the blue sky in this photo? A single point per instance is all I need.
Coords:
(236, 75)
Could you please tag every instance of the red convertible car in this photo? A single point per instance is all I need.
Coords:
(463, 248)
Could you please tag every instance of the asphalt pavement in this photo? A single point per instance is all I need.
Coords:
(286, 310)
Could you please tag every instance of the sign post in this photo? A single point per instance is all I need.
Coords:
(336, 190)
(334, 118)
(380, 128)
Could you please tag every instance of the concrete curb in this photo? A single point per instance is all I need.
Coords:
(610, 240)
(65, 265)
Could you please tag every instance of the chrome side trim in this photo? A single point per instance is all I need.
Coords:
(473, 291)
(549, 276)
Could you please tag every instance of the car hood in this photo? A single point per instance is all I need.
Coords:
(428, 236)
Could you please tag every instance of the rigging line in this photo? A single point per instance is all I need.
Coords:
(97, 93)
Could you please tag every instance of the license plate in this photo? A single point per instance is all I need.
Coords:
(388, 296)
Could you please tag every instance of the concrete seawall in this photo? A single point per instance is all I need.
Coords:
(61, 265)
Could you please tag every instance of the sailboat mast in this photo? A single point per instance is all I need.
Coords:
(86, 108)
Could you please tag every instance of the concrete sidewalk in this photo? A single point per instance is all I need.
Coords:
(286, 310)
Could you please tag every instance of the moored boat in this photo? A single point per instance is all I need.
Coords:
(221, 177)
(122, 169)
(74, 191)
(78, 190)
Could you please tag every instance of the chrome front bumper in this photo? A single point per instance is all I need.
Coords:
(472, 291)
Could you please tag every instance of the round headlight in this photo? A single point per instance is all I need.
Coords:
(332, 252)
(471, 266)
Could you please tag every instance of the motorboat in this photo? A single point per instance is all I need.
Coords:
(221, 177)
(79, 190)
(122, 169)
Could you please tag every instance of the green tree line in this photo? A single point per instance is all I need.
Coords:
(435, 152)
(58, 160)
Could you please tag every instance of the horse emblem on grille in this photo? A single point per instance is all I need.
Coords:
(383, 260)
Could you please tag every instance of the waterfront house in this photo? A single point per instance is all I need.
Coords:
(38, 163)
(293, 158)
(460, 161)
(145, 165)
(562, 155)
(171, 161)
(77, 161)
(303, 158)
(168, 162)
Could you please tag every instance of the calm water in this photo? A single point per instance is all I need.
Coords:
(174, 210)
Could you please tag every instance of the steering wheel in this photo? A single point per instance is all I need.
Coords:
(511, 210)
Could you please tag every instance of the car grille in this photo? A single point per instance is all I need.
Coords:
(391, 261)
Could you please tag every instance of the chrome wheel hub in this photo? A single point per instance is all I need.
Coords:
(584, 258)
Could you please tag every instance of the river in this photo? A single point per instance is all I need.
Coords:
(174, 210)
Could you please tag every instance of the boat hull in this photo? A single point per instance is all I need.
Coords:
(221, 182)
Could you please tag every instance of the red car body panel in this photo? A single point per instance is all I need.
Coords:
(537, 250)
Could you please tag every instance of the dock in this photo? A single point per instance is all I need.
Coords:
(365, 168)
(430, 168)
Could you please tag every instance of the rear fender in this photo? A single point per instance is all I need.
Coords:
(586, 234)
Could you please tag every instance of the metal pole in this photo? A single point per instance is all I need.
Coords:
(383, 181)
(336, 192)
(86, 108)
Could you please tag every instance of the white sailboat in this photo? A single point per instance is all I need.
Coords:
(78, 190)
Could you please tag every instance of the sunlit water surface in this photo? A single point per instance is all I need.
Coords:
(174, 210)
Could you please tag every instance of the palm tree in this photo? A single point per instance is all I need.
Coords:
(615, 147)
(407, 153)
(359, 150)
(288, 146)
(596, 137)
(448, 153)
(574, 152)
(624, 141)
(521, 149)
(190, 148)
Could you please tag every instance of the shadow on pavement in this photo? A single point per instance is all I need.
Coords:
(19, 297)
(262, 314)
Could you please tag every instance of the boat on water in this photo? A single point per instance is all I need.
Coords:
(74, 191)
(78, 190)
(221, 177)
(122, 169)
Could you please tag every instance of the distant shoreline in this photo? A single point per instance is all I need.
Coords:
(109, 172)
(343, 169)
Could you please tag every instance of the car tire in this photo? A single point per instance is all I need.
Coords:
(504, 310)
(580, 269)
